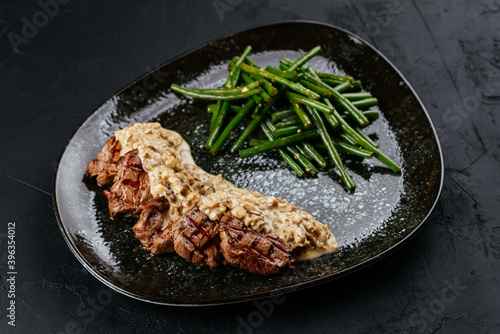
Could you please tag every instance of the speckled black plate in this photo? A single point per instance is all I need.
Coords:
(382, 214)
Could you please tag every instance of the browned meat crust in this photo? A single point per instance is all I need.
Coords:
(244, 248)
(131, 190)
(106, 164)
(196, 238)
(149, 227)
(163, 242)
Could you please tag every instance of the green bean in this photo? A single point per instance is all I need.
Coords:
(263, 95)
(355, 113)
(333, 83)
(367, 145)
(288, 130)
(254, 123)
(327, 140)
(371, 114)
(302, 115)
(300, 148)
(356, 84)
(353, 149)
(216, 126)
(309, 102)
(343, 86)
(215, 115)
(334, 76)
(347, 148)
(240, 61)
(366, 103)
(285, 63)
(247, 61)
(292, 76)
(364, 135)
(249, 129)
(279, 143)
(295, 120)
(320, 160)
(348, 138)
(303, 161)
(269, 124)
(282, 114)
(249, 106)
(229, 91)
(304, 59)
(284, 82)
(320, 90)
(347, 105)
(236, 108)
(295, 167)
(271, 90)
(329, 117)
(255, 142)
(211, 108)
(232, 80)
(357, 96)
(213, 96)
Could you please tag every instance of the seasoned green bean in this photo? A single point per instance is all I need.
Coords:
(303, 161)
(279, 143)
(278, 79)
(295, 167)
(327, 140)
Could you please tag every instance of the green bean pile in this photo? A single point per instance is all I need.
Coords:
(319, 112)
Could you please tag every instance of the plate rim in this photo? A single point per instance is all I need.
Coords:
(259, 295)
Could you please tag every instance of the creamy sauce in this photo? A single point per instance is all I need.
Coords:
(166, 157)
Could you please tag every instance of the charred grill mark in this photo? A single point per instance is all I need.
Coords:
(245, 248)
(196, 238)
(199, 228)
(131, 183)
(251, 249)
(193, 236)
(137, 167)
(255, 242)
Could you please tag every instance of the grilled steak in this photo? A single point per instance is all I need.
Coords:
(202, 217)
(131, 190)
(105, 166)
(149, 227)
(244, 248)
(196, 238)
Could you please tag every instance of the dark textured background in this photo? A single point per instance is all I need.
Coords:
(445, 280)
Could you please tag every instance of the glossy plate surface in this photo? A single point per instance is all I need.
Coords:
(381, 215)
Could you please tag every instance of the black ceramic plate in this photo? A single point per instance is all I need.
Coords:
(381, 215)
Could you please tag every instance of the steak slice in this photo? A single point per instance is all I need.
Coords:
(105, 166)
(196, 238)
(149, 227)
(131, 189)
(244, 248)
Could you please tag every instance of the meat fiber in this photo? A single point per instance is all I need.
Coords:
(193, 236)
(105, 166)
(131, 189)
(196, 238)
(244, 248)
(149, 229)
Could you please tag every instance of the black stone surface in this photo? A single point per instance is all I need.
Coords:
(445, 280)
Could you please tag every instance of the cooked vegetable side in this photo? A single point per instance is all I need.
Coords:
(312, 119)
